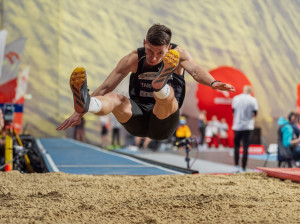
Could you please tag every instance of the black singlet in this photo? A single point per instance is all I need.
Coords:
(140, 88)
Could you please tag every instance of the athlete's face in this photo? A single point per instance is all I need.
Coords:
(155, 54)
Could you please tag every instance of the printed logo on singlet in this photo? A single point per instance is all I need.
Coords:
(147, 76)
(145, 80)
(146, 94)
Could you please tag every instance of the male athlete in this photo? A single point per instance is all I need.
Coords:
(156, 88)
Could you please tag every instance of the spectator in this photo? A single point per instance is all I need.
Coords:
(214, 125)
(244, 110)
(224, 132)
(202, 123)
(208, 134)
(296, 125)
(104, 125)
(287, 140)
(183, 131)
(115, 138)
(79, 134)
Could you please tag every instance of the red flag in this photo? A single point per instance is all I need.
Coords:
(298, 98)
(12, 59)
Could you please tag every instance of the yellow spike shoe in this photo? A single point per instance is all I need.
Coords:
(78, 85)
(170, 63)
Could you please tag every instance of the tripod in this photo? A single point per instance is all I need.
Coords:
(14, 154)
(186, 144)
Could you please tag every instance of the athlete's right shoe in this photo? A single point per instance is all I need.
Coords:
(81, 96)
(170, 63)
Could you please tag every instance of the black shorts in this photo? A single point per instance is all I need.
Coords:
(144, 123)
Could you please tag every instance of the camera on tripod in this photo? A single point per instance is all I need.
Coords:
(183, 142)
(8, 111)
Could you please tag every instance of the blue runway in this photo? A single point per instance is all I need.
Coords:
(70, 156)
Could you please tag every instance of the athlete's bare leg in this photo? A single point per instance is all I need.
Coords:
(118, 104)
(163, 108)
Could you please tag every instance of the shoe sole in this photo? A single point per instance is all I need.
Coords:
(77, 80)
(170, 63)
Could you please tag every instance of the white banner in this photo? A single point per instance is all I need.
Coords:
(12, 59)
(3, 34)
(22, 83)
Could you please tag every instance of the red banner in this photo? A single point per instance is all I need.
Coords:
(298, 98)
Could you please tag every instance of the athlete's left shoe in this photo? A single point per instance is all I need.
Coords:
(170, 63)
(78, 85)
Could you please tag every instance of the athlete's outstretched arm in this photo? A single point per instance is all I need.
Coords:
(200, 74)
(126, 65)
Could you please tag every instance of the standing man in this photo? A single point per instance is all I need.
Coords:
(156, 88)
(244, 110)
(115, 138)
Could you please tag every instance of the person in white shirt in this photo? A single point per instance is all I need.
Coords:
(244, 110)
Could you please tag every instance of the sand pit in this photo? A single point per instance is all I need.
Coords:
(66, 198)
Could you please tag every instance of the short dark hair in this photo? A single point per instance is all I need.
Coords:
(291, 114)
(159, 35)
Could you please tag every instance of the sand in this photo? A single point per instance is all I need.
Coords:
(66, 198)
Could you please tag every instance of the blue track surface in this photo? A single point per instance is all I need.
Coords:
(69, 156)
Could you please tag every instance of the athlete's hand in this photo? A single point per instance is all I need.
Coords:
(71, 121)
(223, 86)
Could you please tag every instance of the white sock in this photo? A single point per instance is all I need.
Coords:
(95, 105)
(163, 93)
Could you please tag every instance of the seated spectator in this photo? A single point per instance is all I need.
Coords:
(183, 131)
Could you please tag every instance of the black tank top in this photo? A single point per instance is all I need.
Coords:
(140, 87)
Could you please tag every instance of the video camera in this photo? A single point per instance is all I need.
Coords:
(183, 142)
(8, 111)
